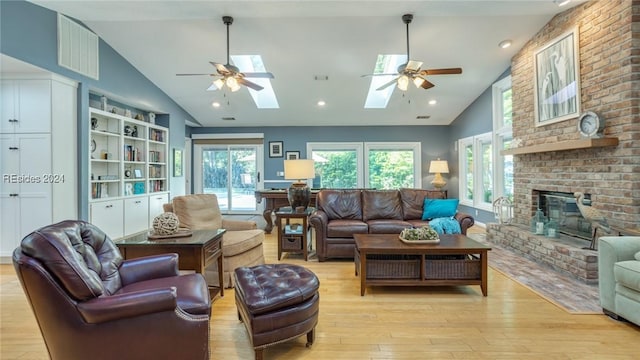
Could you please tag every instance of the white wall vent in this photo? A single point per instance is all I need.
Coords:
(77, 48)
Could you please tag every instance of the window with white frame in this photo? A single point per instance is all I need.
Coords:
(476, 171)
(380, 165)
(485, 174)
(503, 135)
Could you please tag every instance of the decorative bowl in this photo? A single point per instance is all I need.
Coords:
(423, 235)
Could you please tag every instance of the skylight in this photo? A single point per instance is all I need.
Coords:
(385, 64)
(265, 98)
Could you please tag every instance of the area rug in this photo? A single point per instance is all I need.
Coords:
(564, 291)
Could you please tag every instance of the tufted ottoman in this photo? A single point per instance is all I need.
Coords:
(277, 302)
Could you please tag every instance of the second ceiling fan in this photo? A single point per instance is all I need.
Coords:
(411, 71)
(230, 75)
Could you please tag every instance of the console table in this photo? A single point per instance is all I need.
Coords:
(275, 199)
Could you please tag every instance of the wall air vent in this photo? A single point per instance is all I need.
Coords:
(229, 118)
(77, 48)
(422, 117)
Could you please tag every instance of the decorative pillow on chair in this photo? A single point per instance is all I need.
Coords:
(436, 208)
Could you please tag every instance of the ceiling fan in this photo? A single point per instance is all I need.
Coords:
(230, 75)
(411, 70)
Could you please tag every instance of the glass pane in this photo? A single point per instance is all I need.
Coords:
(507, 108)
(487, 172)
(507, 167)
(215, 174)
(391, 169)
(469, 172)
(243, 178)
(335, 169)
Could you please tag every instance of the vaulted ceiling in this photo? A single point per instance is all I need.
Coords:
(299, 40)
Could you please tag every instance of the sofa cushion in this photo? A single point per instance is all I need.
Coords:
(340, 204)
(346, 228)
(413, 201)
(381, 204)
(387, 226)
(627, 273)
(637, 256)
(435, 208)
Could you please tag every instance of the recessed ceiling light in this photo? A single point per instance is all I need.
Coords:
(321, 103)
(433, 102)
(505, 44)
(215, 104)
(561, 2)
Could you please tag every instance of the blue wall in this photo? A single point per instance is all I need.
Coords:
(28, 32)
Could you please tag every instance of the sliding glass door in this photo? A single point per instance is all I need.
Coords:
(231, 172)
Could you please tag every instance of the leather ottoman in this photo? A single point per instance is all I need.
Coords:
(277, 303)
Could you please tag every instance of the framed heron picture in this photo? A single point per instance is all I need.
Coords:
(557, 79)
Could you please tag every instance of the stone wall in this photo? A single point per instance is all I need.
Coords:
(609, 52)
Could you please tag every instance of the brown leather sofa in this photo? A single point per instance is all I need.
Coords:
(342, 213)
(91, 304)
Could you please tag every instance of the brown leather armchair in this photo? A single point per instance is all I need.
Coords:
(91, 304)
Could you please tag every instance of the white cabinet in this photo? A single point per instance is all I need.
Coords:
(136, 215)
(155, 206)
(26, 106)
(26, 187)
(108, 216)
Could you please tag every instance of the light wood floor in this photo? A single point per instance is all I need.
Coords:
(387, 323)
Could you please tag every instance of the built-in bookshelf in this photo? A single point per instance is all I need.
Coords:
(128, 169)
(128, 156)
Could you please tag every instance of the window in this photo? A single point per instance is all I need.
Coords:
(476, 170)
(502, 129)
(372, 165)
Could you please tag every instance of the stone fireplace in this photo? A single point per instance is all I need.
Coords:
(554, 159)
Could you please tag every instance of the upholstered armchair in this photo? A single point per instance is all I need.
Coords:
(91, 304)
(241, 243)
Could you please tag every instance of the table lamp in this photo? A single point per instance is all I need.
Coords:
(299, 193)
(439, 167)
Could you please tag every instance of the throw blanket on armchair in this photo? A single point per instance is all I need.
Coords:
(445, 225)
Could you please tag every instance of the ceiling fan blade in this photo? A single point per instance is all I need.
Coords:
(413, 65)
(195, 74)
(449, 71)
(221, 68)
(426, 84)
(263, 75)
(392, 82)
(250, 84)
(367, 75)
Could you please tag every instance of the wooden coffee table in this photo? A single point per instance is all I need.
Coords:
(195, 252)
(382, 259)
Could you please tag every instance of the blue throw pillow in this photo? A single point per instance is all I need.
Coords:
(436, 208)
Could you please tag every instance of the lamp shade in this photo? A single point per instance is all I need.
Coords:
(299, 169)
(439, 166)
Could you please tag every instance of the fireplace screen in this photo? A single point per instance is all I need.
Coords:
(562, 208)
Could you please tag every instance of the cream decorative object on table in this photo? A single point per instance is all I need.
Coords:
(423, 235)
(166, 224)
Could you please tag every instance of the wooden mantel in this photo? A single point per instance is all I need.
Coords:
(563, 145)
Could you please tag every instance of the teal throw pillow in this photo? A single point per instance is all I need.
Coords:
(436, 208)
(637, 256)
